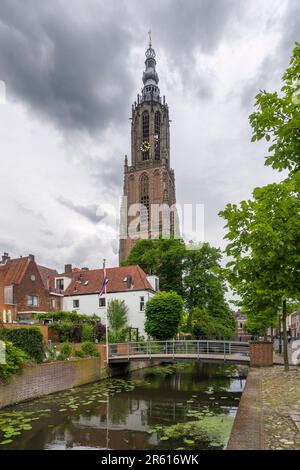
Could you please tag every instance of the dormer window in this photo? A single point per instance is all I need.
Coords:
(59, 283)
(32, 277)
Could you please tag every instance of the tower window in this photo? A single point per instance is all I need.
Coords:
(157, 121)
(144, 199)
(145, 124)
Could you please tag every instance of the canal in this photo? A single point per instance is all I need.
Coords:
(182, 406)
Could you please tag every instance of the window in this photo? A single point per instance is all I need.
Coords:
(59, 284)
(144, 199)
(32, 301)
(145, 130)
(76, 303)
(157, 135)
(53, 304)
(102, 302)
(32, 277)
(142, 304)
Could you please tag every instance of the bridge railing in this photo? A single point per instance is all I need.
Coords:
(178, 348)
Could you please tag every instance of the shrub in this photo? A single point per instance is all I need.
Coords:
(30, 340)
(163, 315)
(117, 314)
(15, 358)
(79, 353)
(88, 333)
(65, 351)
(89, 348)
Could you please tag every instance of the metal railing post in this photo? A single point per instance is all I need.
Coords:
(207, 347)
(198, 349)
(224, 351)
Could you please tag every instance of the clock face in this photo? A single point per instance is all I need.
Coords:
(145, 147)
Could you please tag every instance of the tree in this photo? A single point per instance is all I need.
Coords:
(204, 284)
(163, 315)
(162, 257)
(205, 326)
(264, 235)
(277, 119)
(117, 314)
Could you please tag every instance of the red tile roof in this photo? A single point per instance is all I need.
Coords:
(89, 282)
(13, 270)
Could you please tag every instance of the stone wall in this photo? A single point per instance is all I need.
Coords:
(42, 379)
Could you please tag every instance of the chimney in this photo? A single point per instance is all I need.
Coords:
(31, 257)
(5, 257)
(84, 269)
(68, 268)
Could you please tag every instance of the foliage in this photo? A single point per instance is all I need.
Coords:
(163, 315)
(120, 336)
(206, 326)
(65, 351)
(15, 358)
(117, 314)
(204, 287)
(88, 333)
(65, 316)
(277, 119)
(87, 349)
(161, 257)
(30, 340)
(264, 242)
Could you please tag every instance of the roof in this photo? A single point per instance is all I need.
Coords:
(46, 274)
(14, 270)
(90, 281)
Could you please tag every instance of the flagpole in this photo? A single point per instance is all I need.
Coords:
(106, 319)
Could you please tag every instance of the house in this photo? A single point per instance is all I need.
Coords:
(240, 327)
(80, 289)
(25, 289)
(295, 324)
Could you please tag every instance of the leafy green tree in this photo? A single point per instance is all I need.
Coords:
(163, 315)
(162, 257)
(277, 119)
(204, 284)
(117, 312)
(205, 326)
(264, 242)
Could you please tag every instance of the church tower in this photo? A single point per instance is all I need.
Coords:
(148, 181)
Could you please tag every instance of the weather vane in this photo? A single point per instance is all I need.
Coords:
(150, 44)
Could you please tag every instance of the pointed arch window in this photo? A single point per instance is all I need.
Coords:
(157, 123)
(145, 132)
(144, 199)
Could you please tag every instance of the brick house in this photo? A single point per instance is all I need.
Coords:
(25, 289)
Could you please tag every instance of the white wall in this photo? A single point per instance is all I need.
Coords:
(89, 305)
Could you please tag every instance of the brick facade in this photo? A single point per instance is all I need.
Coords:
(23, 277)
(261, 353)
(42, 379)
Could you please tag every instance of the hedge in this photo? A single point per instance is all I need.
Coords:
(29, 340)
(15, 358)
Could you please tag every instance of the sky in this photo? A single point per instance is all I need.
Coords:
(72, 71)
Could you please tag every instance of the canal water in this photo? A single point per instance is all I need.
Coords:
(182, 406)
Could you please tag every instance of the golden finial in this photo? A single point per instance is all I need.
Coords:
(150, 44)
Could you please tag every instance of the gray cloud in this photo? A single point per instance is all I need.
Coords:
(66, 63)
(89, 212)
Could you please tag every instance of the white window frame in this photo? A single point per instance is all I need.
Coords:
(78, 301)
(31, 300)
(142, 303)
(102, 298)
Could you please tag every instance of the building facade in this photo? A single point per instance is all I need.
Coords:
(148, 207)
(81, 287)
(25, 289)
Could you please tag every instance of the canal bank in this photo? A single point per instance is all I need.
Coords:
(268, 417)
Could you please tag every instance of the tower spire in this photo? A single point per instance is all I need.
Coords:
(150, 91)
(150, 41)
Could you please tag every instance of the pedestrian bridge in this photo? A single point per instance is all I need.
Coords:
(187, 350)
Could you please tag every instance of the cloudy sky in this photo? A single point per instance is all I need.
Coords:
(72, 71)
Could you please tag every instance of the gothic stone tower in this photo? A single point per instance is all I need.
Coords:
(149, 180)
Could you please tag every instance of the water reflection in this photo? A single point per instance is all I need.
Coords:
(203, 396)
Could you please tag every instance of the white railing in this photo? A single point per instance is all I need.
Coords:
(172, 349)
